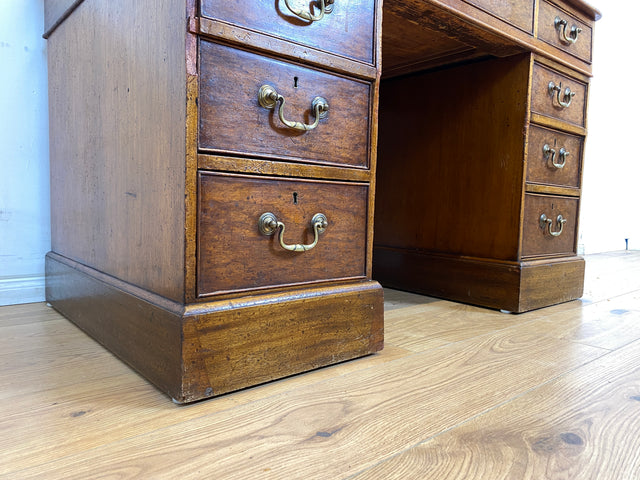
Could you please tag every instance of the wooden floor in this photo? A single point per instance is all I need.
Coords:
(458, 393)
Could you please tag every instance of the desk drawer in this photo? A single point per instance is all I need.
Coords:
(519, 14)
(558, 96)
(233, 255)
(551, 235)
(554, 158)
(232, 121)
(562, 33)
(347, 30)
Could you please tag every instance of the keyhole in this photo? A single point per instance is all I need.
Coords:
(295, 198)
(295, 82)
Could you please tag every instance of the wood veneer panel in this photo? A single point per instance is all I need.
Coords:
(234, 122)
(519, 14)
(117, 128)
(347, 30)
(540, 168)
(232, 253)
(450, 168)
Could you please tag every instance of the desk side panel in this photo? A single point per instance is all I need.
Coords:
(117, 128)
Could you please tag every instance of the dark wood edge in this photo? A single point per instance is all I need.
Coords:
(113, 282)
(486, 283)
(533, 187)
(481, 282)
(592, 12)
(145, 336)
(216, 29)
(270, 167)
(52, 24)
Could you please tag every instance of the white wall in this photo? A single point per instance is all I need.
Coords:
(611, 194)
(611, 187)
(24, 152)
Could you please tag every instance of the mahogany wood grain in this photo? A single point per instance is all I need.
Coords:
(450, 167)
(117, 120)
(232, 253)
(540, 168)
(232, 121)
(255, 166)
(477, 28)
(204, 350)
(545, 103)
(535, 239)
(143, 335)
(407, 46)
(271, 45)
(548, 31)
(520, 14)
(347, 31)
(550, 281)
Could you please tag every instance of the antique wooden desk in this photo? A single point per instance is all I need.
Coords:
(186, 135)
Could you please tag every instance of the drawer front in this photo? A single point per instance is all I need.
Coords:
(233, 255)
(554, 158)
(519, 14)
(232, 121)
(348, 29)
(555, 238)
(567, 102)
(563, 32)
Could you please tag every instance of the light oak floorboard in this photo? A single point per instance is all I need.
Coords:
(448, 372)
(582, 425)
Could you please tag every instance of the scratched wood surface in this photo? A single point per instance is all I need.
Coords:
(458, 392)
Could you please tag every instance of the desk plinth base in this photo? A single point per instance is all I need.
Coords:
(511, 286)
(201, 350)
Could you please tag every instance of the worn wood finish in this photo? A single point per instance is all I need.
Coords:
(510, 286)
(270, 45)
(550, 281)
(129, 262)
(236, 344)
(233, 255)
(469, 280)
(549, 32)
(232, 121)
(408, 47)
(520, 14)
(538, 241)
(485, 33)
(540, 167)
(144, 335)
(224, 163)
(202, 351)
(117, 142)
(545, 103)
(440, 156)
(347, 31)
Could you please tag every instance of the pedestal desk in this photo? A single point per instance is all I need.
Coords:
(213, 169)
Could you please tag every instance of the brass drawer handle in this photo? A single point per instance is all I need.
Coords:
(546, 222)
(561, 25)
(326, 6)
(268, 97)
(551, 152)
(268, 224)
(563, 98)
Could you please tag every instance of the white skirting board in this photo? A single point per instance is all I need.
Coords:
(21, 289)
